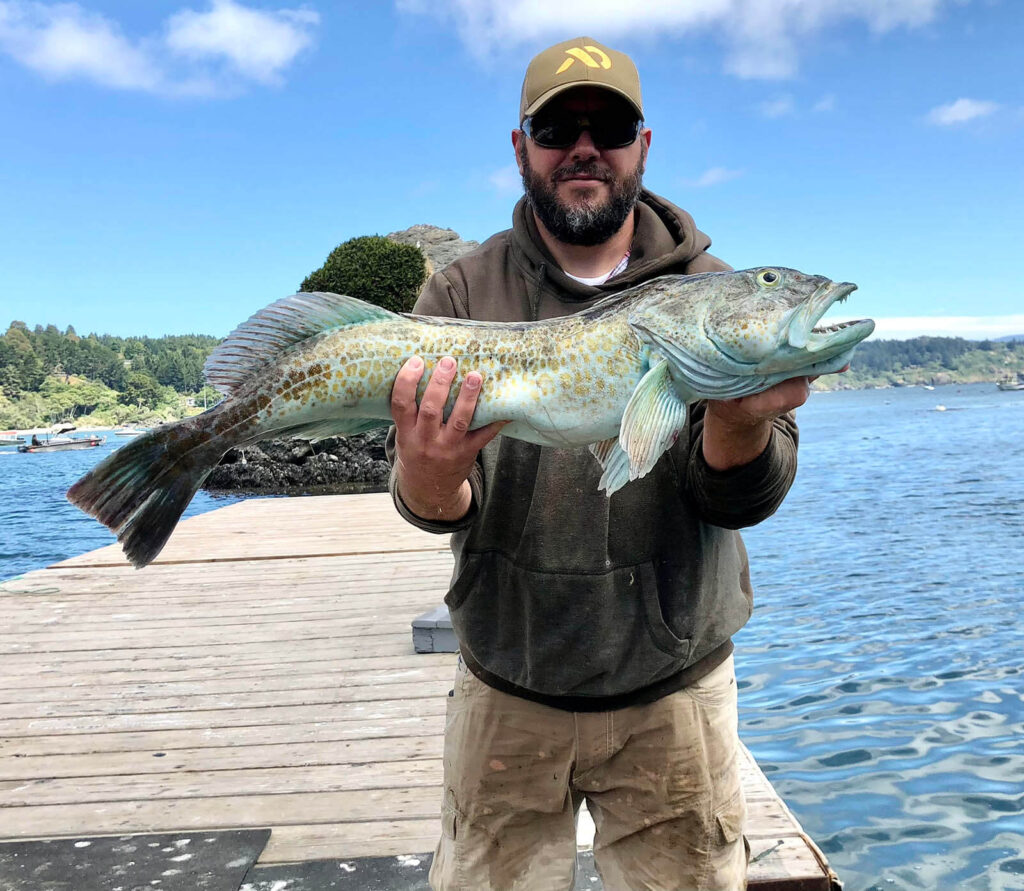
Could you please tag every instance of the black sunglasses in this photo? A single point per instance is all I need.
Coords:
(609, 131)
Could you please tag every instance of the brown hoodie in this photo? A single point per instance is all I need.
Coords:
(561, 594)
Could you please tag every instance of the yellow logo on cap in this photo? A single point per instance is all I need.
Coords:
(584, 55)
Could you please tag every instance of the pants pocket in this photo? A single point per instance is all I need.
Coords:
(729, 819)
(449, 817)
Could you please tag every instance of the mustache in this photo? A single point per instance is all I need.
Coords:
(589, 170)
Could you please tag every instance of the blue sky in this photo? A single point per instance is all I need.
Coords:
(171, 167)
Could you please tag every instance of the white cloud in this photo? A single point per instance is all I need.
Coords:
(970, 327)
(66, 41)
(785, 106)
(507, 180)
(777, 108)
(257, 43)
(762, 38)
(713, 176)
(961, 111)
(208, 52)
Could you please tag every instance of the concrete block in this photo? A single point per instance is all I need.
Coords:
(432, 632)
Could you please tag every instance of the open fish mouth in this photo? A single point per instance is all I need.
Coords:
(805, 332)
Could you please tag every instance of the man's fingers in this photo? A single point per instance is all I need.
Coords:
(792, 394)
(403, 393)
(465, 404)
(771, 403)
(462, 415)
(431, 412)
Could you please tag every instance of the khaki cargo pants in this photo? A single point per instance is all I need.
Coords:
(661, 782)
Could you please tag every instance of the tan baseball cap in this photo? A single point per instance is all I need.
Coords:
(579, 62)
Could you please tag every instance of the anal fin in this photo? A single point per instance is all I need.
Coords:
(615, 463)
(329, 427)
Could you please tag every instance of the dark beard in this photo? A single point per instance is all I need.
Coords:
(585, 223)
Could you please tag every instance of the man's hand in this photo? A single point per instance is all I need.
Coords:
(736, 431)
(433, 458)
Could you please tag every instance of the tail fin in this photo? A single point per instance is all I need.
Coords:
(141, 490)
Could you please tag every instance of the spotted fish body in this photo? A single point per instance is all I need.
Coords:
(561, 383)
(616, 378)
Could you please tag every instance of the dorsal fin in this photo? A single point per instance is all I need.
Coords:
(274, 328)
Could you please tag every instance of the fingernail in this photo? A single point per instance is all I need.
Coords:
(415, 363)
(446, 364)
(472, 380)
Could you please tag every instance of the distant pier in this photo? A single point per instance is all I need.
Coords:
(260, 675)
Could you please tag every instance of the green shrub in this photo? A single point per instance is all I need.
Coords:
(374, 269)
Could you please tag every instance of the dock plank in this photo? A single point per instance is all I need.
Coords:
(202, 760)
(259, 674)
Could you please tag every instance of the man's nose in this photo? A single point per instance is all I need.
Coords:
(584, 146)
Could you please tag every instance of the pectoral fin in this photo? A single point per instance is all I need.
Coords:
(615, 463)
(652, 421)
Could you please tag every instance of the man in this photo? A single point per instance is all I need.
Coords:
(596, 660)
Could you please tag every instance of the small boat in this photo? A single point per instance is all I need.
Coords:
(60, 443)
(129, 431)
(11, 438)
(1011, 384)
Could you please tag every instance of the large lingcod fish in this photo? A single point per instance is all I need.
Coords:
(616, 377)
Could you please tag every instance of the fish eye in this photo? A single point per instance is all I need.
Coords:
(769, 278)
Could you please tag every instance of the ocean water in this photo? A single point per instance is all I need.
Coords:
(882, 673)
(38, 526)
(881, 676)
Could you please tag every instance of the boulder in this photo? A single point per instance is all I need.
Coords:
(439, 246)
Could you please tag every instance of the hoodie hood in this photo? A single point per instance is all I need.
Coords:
(665, 240)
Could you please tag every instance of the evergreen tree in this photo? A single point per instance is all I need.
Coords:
(140, 389)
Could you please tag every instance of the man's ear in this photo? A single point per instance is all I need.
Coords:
(645, 144)
(519, 146)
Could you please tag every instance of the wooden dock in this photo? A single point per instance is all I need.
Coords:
(260, 673)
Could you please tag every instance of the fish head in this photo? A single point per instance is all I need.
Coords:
(758, 323)
(768, 318)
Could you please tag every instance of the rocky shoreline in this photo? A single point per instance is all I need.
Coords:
(298, 467)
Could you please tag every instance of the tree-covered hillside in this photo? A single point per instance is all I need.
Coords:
(47, 374)
(931, 360)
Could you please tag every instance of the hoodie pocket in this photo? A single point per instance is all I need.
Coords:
(661, 634)
(564, 634)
